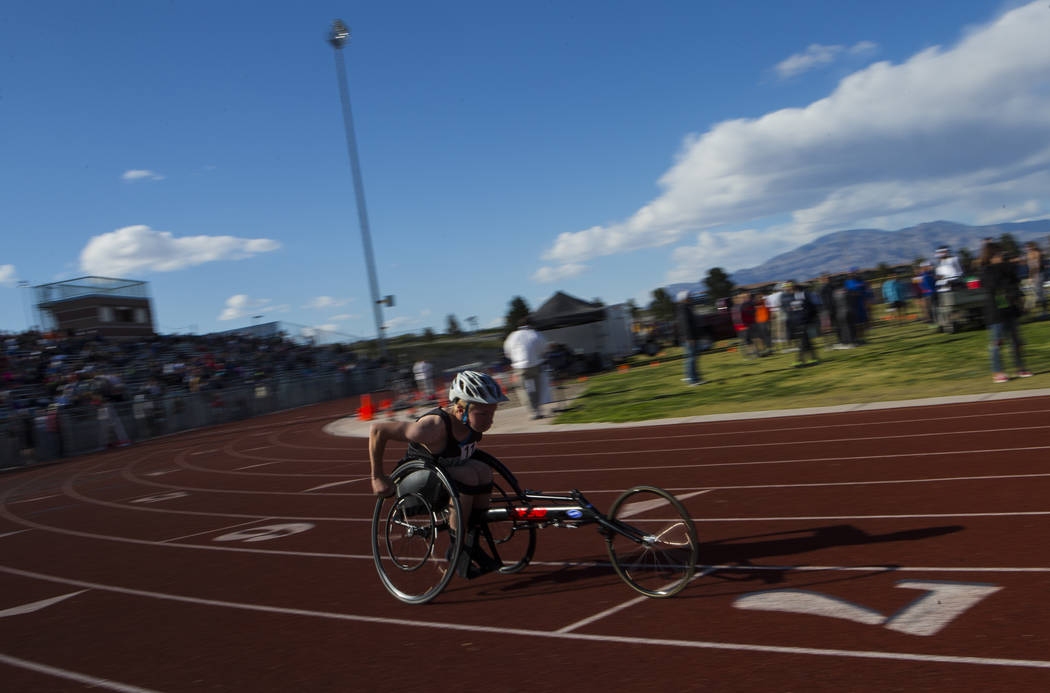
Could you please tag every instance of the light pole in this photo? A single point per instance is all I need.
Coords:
(338, 37)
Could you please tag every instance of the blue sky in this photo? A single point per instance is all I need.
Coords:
(508, 149)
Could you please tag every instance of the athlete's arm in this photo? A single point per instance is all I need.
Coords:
(428, 431)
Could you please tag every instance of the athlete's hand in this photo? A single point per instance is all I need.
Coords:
(382, 486)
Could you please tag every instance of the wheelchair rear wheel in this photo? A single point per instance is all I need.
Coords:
(417, 533)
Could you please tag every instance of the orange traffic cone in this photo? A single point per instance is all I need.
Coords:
(366, 412)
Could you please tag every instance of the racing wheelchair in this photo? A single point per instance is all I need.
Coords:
(420, 537)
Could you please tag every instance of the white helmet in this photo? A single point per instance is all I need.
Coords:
(476, 388)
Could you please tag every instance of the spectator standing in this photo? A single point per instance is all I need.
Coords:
(526, 349)
(1036, 277)
(893, 296)
(777, 317)
(801, 312)
(690, 333)
(762, 324)
(828, 318)
(859, 296)
(423, 372)
(743, 321)
(1002, 309)
(927, 287)
(846, 317)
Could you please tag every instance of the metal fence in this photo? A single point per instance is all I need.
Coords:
(47, 434)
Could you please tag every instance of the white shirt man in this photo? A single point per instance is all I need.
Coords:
(527, 350)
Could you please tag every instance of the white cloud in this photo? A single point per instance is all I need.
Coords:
(343, 316)
(1029, 209)
(964, 128)
(241, 306)
(327, 302)
(8, 275)
(141, 174)
(135, 249)
(727, 249)
(817, 55)
(546, 275)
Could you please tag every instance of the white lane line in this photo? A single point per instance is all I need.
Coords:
(11, 534)
(921, 516)
(37, 606)
(843, 458)
(793, 429)
(619, 607)
(553, 635)
(602, 614)
(261, 464)
(336, 483)
(38, 498)
(92, 681)
(206, 452)
(261, 447)
(213, 531)
(816, 441)
(639, 507)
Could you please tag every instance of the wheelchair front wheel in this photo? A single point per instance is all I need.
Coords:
(661, 558)
(417, 533)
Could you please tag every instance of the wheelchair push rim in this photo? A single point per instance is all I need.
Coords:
(416, 535)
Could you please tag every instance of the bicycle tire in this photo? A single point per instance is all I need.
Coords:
(663, 563)
(415, 543)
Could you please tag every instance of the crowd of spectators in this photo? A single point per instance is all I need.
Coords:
(43, 373)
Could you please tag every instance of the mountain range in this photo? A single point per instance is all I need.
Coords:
(865, 248)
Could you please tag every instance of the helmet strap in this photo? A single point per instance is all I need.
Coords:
(466, 412)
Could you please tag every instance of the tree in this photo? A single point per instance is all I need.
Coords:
(428, 334)
(718, 284)
(453, 326)
(633, 307)
(1009, 244)
(662, 307)
(519, 309)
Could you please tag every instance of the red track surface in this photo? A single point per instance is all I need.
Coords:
(857, 516)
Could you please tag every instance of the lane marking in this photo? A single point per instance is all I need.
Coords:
(93, 681)
(639, 507)
(261, 464)
(11, 534)
(37, 606)
(210, 531)
(266, 532)
(927, 615)
(337, 483)
(809, 603)
(620, 607)
(705, 465)
(942, 602)
(653, 423)
(602, 614)
(553, 635)
(38, 498)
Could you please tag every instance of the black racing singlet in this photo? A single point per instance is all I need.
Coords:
(455, 452)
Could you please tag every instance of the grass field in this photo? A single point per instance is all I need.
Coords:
(900, 361)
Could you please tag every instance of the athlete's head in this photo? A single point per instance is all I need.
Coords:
(475, 397)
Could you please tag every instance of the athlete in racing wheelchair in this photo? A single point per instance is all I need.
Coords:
(448, 437)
